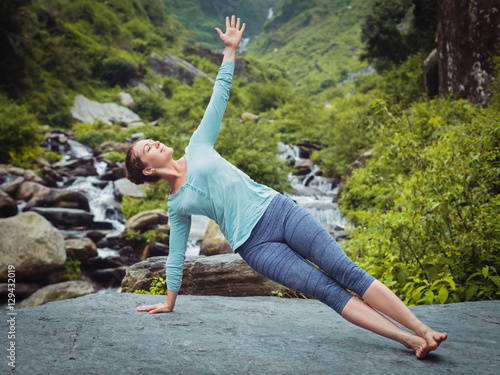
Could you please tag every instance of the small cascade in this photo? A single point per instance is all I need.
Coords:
(314, 193)
(102, 202)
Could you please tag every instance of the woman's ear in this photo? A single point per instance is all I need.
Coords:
(148, 171)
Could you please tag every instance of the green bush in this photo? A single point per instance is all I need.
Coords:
(158, 286)
(117, 71)
(426, 207)
(97, 133)
(155, 197)
(18, 133)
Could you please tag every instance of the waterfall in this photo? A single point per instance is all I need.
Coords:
(102, 202)
(314, 193)
(270, 13)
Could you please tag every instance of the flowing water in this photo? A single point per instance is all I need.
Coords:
(314, 193)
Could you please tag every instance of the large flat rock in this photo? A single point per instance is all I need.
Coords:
(104, 334)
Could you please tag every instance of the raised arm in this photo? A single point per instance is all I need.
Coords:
(208, 130)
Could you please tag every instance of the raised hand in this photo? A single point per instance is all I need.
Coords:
(233, 34)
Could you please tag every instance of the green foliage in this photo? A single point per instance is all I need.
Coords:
(155, 197)
(98, 132)
(252, 147)
(117, 157)
(158, 286)
(426, 207)
(72, 270)
(18, 134)
(117, 71)
(394, 29)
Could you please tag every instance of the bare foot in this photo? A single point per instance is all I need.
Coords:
(433, 338)
(417, 344)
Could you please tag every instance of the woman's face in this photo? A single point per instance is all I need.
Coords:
(153, 154)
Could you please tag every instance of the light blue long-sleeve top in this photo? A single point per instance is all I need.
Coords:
(215, 188)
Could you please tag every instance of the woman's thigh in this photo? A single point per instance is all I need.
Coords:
(306, 236)
(278, 262)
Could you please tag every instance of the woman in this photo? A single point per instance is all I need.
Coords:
(270, 232)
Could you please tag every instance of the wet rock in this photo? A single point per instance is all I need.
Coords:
(81, 249)
(12, 186)
(86, 110)
(28, 189)
(147, 220)
(214, 242)
(223, 275)
(22, 290)
(158, 249)
(59, 198)
(57, 292)
(32, 244)
(306, 147)
(303, 167)
(111, 277)
(65, 217)
(8, 206)
(95, 235)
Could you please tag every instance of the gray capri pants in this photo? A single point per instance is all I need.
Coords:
(282, 241)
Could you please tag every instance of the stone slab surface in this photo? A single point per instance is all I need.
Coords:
(104, 334)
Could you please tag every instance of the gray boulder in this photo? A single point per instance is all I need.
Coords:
(12, 186)
(125, 188)
(167, 64)
(65, 217)
(128, 101)
(57, 292)
(28, 189)
(86, 110)
(214, 242)
(222, 275)
(30, 243)
(146, 220)
(80, 248)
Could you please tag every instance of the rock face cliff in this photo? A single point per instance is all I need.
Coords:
(468, 34)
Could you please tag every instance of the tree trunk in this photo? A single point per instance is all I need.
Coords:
(468, 35)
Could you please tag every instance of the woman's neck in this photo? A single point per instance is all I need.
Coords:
(176, 175)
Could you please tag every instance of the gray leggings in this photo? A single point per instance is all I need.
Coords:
(285, 237)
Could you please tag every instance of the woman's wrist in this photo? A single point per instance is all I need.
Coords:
(229, 54)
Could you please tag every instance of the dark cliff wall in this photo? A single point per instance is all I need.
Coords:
(468, 36)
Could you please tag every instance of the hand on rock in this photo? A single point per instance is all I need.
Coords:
(158, 308)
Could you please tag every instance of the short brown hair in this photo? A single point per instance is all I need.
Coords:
(134, 167)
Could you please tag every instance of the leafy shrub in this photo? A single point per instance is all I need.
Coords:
(117, 71)
(18, 133)
(158, 286)
(117, 157)
(156, 196)
(426, 208)
(97, 133)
